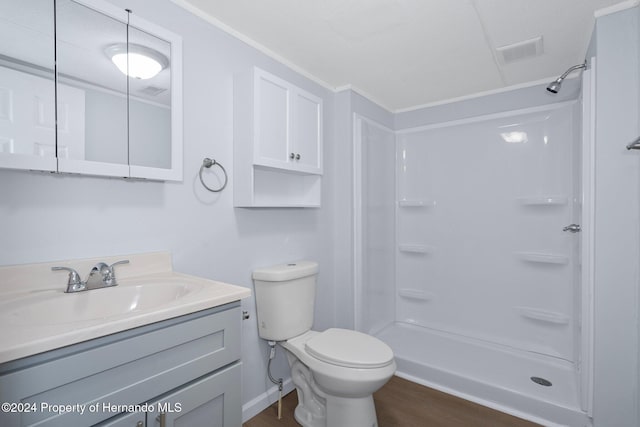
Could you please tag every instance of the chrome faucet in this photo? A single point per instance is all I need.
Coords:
(101, 276)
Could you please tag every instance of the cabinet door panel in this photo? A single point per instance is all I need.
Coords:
(307, 119)
(211, 401)
(272, 133)
(134, 419)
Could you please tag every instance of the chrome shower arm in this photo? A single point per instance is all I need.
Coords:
(554, 86)
(572, 69)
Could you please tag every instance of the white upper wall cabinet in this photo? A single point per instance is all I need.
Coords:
(286, 132)
(108, 120)
(277, 142)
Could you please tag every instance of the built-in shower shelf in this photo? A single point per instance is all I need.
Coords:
(414, 203)
(543, 258)
(415, 248)
(543, 315)
(415, 294)
(543, 200)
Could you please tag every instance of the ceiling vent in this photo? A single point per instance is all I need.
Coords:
(521, 50)
(152, 90)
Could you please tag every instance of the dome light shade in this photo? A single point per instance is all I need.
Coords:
(137, 61)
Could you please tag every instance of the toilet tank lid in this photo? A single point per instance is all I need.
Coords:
(289, 271)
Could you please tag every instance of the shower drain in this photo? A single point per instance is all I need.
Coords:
(541, 381)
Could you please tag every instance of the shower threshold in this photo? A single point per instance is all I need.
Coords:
(492, 375)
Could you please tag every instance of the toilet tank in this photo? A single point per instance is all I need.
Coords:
(285, 296)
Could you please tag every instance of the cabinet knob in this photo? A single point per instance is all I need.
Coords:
(297, 156)
(292, 156)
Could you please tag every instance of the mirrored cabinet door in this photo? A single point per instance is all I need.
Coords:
(150, 105)
(92, 91)
(27, 85)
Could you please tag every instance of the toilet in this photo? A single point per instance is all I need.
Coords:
(336, 371)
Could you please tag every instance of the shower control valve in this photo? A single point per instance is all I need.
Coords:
(572, 228)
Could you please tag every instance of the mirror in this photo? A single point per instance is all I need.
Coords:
(27, 89)
(150, 106)
(113, 117)
(92, 92)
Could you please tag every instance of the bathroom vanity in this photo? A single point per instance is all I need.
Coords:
(164, 356)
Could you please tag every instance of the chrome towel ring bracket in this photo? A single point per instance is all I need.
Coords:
(207, 163)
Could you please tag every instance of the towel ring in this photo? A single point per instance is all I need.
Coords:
(207, 163)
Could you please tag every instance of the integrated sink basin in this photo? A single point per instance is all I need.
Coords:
(37, 315)
(56, 307)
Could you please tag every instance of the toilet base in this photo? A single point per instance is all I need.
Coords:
(318, 409)
(340, 411)
(353, 412)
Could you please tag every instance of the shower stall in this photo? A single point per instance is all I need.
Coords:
(472, 257)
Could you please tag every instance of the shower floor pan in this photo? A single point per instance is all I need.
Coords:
(489, 374)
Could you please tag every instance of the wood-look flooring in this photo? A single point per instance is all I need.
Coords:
(406, 404)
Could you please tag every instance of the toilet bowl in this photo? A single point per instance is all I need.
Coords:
(336, 371)
(344, 376)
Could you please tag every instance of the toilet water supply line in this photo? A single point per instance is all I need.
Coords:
(272, 355)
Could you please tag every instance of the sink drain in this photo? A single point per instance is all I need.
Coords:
(541, 381)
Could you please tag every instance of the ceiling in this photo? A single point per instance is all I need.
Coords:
(407, 53)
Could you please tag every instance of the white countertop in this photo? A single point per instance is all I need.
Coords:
(35, 318)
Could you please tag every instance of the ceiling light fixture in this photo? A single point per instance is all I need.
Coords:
(137, 61)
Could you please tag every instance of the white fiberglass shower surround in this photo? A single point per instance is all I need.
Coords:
(463, 263)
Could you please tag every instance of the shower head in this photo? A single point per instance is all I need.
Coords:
(554, 86)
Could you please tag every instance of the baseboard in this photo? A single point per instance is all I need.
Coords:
(264, 400)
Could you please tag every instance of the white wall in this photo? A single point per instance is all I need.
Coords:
(47, 217)
(617, 214)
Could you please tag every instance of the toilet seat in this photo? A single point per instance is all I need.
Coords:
(351, 349)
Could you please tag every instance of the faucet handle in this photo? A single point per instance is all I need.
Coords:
(112, 273)
(124, 261)
(74, 283)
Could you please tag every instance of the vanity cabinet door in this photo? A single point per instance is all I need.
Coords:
(134, 419)
(211, 401)
(27, 85)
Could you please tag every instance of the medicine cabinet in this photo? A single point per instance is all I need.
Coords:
(72, 98)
